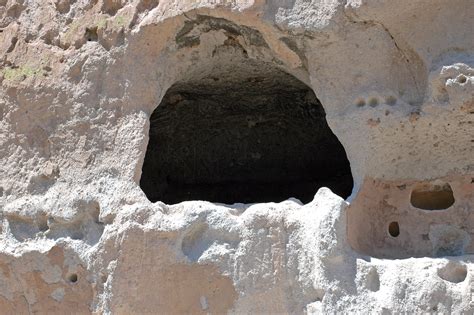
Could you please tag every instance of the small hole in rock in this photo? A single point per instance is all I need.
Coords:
(72, 278)
(91, 34)
(394, 229)
(391, 100)
(373, 102)
(360, 103)
(461, 79)
(432, 196)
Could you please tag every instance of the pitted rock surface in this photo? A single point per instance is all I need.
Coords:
(335, 170)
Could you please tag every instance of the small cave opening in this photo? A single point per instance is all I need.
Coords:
(73, 278)
(432, 196)
(242, 132)
(394, 229)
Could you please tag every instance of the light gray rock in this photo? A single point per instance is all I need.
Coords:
(80, 81)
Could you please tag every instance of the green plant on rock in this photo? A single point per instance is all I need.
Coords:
(20, 73)
(102, 23)
(120, 21)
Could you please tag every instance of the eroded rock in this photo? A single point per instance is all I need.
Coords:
(383, 87)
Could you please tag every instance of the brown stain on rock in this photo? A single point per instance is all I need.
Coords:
(441, 230)
(182, 289)
(373, 122)
(468, 107)
(38, 298)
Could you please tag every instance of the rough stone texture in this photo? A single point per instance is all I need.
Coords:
(79, 82)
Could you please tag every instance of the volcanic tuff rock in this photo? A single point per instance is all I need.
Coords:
(81, 79)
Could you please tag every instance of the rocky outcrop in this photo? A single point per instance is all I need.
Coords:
(384, 88)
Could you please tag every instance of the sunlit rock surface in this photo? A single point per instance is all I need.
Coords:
(264, 104)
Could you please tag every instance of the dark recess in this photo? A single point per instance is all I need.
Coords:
(248, 134)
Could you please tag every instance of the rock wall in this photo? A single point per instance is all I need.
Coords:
(80, 81)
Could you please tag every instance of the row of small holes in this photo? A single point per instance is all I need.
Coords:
(374, 101)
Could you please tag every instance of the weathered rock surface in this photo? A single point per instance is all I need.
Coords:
(80, 81)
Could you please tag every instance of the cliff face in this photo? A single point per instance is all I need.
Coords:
(108, 104)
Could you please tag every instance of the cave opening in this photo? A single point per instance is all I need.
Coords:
(242, 132)
(432, 196)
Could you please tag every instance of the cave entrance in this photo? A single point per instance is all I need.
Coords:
(242, 133)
